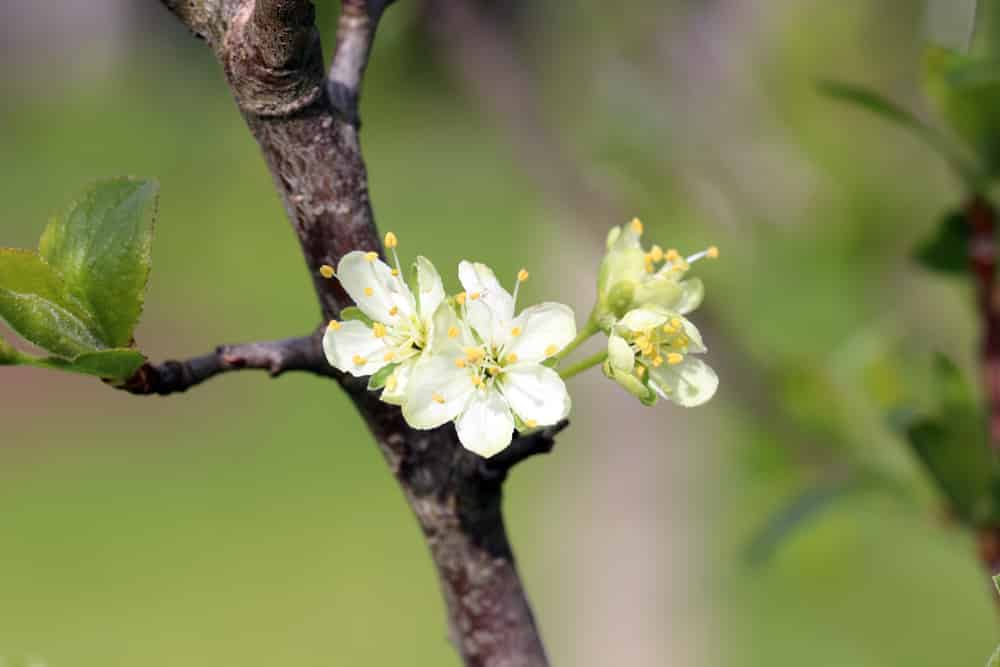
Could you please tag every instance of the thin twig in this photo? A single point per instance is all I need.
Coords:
(275, 357)
(524, 447)
(981, 218)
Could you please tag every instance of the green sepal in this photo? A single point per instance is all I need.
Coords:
(354, 313)
(101, 247)
(378, 380)
(947, 250)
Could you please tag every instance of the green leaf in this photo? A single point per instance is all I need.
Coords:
(114, 364)
(947, 251)
(966, 93)
(377, 381)
(880, 105)
(994, 659)
(954, 446)
(8, 355)
(354, 313)
(34, 302)
(101, 247)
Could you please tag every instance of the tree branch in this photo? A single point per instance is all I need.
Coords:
(275, 357)
(538, 442)
(307, 130)
(981, 218)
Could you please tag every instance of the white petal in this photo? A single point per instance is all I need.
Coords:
(436, 392)
(543, 330)
(692, 293)
(643, 319)
(397, 395)
(430, 290)
(353, 341)
(486, 426)
(535, 393)
(689, 383)
(694, 336)
(620, 354)
(372, 286)
(445, 323)
(492, 310)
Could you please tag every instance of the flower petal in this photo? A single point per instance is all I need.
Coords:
(542, 331)
(689, 383)
(430, 290)
(695, 343)
(395, 389)
(535, 393)
(351, 342)
(486, 427)
(372, 286)
(620, 354)
(643, 319)
(436, 393)
(692, 293)
(489, 306)
(448, 334)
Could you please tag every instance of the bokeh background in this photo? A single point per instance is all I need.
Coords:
(252, 522)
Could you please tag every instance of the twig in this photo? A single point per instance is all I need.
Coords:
(538, 442)
(981, 218)
(275, 357)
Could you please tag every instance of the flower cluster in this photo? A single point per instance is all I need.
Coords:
(466, 358)
(470, 358)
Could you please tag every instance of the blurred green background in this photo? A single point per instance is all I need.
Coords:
(253, 522)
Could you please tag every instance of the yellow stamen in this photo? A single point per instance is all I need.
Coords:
(636, 225)
(682, 340)
(371, 256)
(394, 272)
(474, 296)
(378, 330)
(474, 354)
(391, 383)
(516, 331)
(511, 358)
(369, 291)
(522, 275)
(334, 325)
(452, 332)
(640, 370)
(531, 423)
(390, 240)
(437, 398)
(550, 350)
(460, 298)
(389, 356)
(674, 358)
(712, 252)
(477, 381)
(649, 264)
(460, 362)
(359, 360)
(394, 310)
(326, 271)
(493, 370)
(676, 323)
(671, 255)
(656, 253)
(657, 361)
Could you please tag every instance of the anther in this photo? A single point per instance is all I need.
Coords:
(550, 350)
(674, 358)
(531, 423)
(369, 291)
(378, 330)
(656, 253)
(671, 255)
(394, 310)
(391, 383)
(359, 360)
(474, 296)
(326, 271)
(511, 358)
(460, 298)
(460, 362)
(371, 256)
(394, 272)
(390, 240)
(493, 370)
(522, 275)
(477, 381)
(657, 361)
(712, 252)
(640, 370)
(636, 225)
(334, 325)
(389, 356)
(452, 332)
(516, 331)
(437, 398)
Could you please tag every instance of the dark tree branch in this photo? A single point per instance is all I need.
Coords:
(272, 58)
(981, 217)
(539, 442)
(275, 357)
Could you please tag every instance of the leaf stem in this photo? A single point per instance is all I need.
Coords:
(586, 332)
(583, 365)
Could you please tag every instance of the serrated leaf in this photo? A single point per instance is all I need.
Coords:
(947, 251)
(101, 247)
(880, 105)
(377, 381)
(35, 304)
(114, 364)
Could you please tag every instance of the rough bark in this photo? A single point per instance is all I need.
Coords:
(307, 127)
